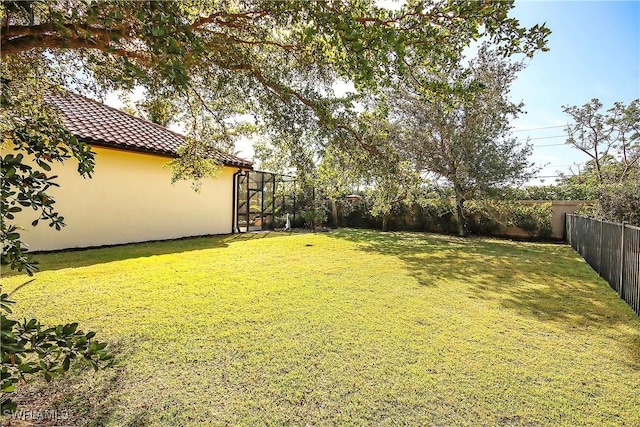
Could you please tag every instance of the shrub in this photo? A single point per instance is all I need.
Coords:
(436, 213)
(535, 220)
(617, 203)
(357, 214)
(313, 216)
(29, 349)
(484, 217)
(489, 217)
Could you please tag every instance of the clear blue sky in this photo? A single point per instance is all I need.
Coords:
(595, 53)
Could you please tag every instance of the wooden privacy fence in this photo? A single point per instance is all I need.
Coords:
(612, 250)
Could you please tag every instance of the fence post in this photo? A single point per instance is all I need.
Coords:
(622, 258)
(574, 222)
(600, 250)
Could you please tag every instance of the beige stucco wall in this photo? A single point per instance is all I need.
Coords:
(558, 210)
(130, 199)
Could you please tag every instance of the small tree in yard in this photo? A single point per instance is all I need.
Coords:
(620, 202)
(617, 203)
(400, 183)
(336, 177)
(462, 134)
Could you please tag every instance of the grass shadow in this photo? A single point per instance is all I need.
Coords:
(432, 256)
(84, 257)
(545, 281)
(80, 397)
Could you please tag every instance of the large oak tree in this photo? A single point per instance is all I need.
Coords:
(218, 60)
(275, 60)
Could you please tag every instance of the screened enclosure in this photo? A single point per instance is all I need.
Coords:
(263, 200)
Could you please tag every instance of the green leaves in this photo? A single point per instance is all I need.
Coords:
(487, 216)
(193, 164)
(611, 139)
(178, 43)
(36, 139)
(455, 125)
(29, 348)
(158, 32)
(275, 60)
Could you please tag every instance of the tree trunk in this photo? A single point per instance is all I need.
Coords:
(334, 213)
(462, 220)
(385, 220)
(598, 169)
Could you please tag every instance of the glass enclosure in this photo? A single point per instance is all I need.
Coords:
(263, 200)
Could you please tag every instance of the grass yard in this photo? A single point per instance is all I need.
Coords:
(342, 328)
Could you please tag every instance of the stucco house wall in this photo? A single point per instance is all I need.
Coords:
(130, 198)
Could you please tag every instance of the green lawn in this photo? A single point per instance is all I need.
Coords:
(348, 328)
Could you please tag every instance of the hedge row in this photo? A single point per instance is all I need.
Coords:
(484, 217)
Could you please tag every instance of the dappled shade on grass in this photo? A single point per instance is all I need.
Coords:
(349, 327)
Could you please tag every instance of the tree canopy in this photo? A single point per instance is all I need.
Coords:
(611, 139)
(463, 134)
(274, 61)
(271, 58)
(219, 62)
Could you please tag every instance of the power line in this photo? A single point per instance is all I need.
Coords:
(549, 145)
(547, 127)
(543, 137)
(549, 137)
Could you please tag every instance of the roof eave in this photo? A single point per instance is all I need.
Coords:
(144, 150)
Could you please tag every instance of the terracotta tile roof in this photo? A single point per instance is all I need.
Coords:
(101, 125)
